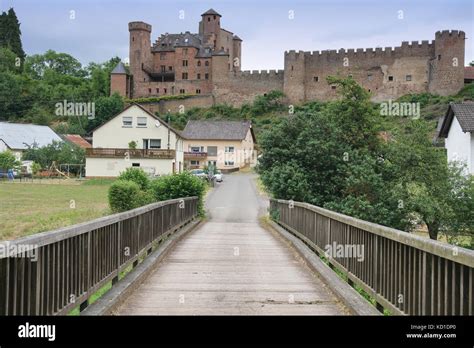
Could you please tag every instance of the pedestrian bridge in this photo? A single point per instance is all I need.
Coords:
(161, 259)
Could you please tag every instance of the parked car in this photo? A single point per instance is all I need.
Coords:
(219, 177)
(199, 173)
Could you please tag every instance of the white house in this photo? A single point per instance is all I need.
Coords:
(457, 128)
(18, 137)
(158, 150)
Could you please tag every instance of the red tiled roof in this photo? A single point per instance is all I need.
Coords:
(78, 140)
(469, 72)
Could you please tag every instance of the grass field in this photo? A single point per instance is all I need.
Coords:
(27, 208)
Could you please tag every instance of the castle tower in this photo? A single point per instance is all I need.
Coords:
(237, 50)
(210, 28)
(447, 66)
(293, 84)
(140, 50)
(119, 81)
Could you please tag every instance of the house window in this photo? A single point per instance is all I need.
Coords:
(197, 149)
(185, 51)
(369, 77)
(316, 78)
(198, 76)
(333, 87)
(390, 78)
(229, 149)
(194, 163)
(164, 90)
(206, 76)
(185, 76)
(208, 19)
(439, 56)
(212, 150)
(170, 68)
(155, 143)
(408, 78)
(149, 90)
(185, 62)
(157, 91)
(198, 91)
(199, 63)
(127, 121)
(206, 63)
(162, 56)
(163, 68)
(182, 91)
(229, 163)
(141, 122)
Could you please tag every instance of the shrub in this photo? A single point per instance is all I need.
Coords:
(179, 186)
(124, 195)
(137, 175)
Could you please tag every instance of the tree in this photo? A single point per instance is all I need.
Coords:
(8, 160)
(105, 109)
(59, 152)
(10, 33)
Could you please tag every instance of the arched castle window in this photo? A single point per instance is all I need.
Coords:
(207, 63)
(199, 63)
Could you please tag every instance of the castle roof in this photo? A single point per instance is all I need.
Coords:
(211, 11)
(168, 42)
(217, 130)
(119, 69)
(464, 113)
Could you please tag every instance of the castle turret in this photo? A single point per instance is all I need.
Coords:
(237, 51)
(294, 86)
(210, 27)
(140, 50)
(119, 81)
(447, 66)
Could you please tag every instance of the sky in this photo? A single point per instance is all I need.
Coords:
(97, 30)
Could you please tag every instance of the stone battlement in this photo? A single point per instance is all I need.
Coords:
(139, 26)
(408, 48)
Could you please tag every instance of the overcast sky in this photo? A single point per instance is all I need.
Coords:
(99, 30)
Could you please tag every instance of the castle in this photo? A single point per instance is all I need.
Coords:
(209, 64)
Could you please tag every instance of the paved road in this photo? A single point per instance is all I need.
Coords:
(231, 265)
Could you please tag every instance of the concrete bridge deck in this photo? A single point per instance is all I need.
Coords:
(231, 265)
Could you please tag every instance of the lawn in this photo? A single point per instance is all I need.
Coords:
(27, 208)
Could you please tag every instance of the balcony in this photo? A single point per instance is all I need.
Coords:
(195, 155)
(130, 153)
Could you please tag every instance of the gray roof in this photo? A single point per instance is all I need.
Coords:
(19, 136)
(168, 42)
(464, 113)
(216, 130)
(211, 11)
(119, 69)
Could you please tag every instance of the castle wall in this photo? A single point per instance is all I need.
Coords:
(237, 88)
(414, 67)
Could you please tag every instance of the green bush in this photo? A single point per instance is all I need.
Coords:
(124, 195)
(137, 175)
(179, 186)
